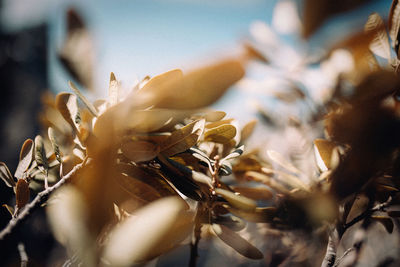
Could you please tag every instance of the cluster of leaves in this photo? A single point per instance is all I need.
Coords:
(155, 168)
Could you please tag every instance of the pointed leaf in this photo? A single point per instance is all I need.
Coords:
(237, 201)
(155, 229)
(237, 242)
(232, 222)
(213, 116)
(6, 176)
(25, 158)
(139, 151)
(113, 90)
(323, 153)
(67, 105)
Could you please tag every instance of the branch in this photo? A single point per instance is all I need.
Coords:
(330, 256)
(194, 254)
(23, 255)
(37, 202)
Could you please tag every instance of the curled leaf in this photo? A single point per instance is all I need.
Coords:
(323, 153)
(6, 176)
(145, 235)
(380, 44)
(237, 242)
(67, 105)
(54, 144)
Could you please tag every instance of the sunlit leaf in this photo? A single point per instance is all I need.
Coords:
(213, 116)
(380, 44)
(267, 180)
(323, 153)
(67, 215)
(87, 103)
(237, 242)
(67, 105)
(153, 230)
(196, 89)
(6, 176)
(289, 179)
(221, 134)
(237, 201)
(113, 90)
(25, 158)
(139, 151)
(236, 153)
(183, 138)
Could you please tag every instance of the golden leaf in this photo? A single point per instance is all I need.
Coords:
(222, 134)
(237, 201)
(25, 158)
(139, 151)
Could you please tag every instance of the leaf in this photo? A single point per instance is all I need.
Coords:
(385, 221)
(87, 103)
(237, 201)
(139, 151)
(68, 216)
(236, 153)
(9, 209)
(291, 180)
(218, 123)
(54, 144)
(183, 138)
(267, 180)
(323, 153)
(153, 230)
(247, 130)
(279, 159)
(40, 154)
(221, 134)
(232, 222)
(237, 242)
(113, 90)
(25, 158)
(197, 89)
(6, 176)
(22, 193)
(77, 52)
(213, 116)
(256, 193)
(380, 44)
(67, 105)
(394, 25)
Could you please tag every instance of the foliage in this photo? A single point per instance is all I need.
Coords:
(137, 175)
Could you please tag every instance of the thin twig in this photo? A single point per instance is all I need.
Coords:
(37, 202)
(23, 255)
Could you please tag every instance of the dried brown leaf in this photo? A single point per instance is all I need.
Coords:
(323, 151)
(247, 130)
(22, 193)
(394, 25)
(380, 44)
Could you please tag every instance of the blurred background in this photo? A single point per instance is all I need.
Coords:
(40, 51)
